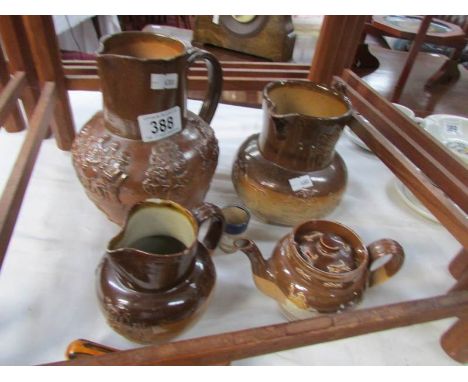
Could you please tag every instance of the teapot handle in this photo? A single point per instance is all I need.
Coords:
(215, 82)
(208, 211)
(379, 249)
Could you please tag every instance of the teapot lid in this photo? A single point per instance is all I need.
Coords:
(326, 251)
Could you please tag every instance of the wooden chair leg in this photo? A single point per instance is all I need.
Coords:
(46, 55)
(15, 122)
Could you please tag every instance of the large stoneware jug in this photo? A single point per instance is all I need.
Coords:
(145, 143)
(290, 172)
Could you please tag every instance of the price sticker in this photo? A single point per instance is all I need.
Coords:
(164, 81)
(300, 183)
(156, 126)
(452, 128)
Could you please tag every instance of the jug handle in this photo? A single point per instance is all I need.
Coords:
(215, 217)
(215, 82)
(379, 249)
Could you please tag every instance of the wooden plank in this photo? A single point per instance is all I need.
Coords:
(12, 197)
(260, 65)
(224, 64)
(10, 94)
(430, 156)
(46, 55)
(202, 70)
(82, 82)
(79, 62)
(92, 83)
(241, 344)
(435, 148)
(431, 196)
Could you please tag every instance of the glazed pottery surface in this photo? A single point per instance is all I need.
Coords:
(321, 267)
(145, 143)
(290, 172)
(156, 277)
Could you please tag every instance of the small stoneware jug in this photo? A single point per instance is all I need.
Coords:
(321, 267)
(145, 143)
(290, 172)
(156, 276)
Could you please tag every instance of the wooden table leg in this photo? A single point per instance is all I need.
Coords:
(336, 47)
(20, 58)
(43, 41)
(415, 47)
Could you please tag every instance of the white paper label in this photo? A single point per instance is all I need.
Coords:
(300, 183)
(215, 19)
(156, 126)
(164, 81)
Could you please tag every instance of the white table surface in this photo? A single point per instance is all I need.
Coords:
(47, 295)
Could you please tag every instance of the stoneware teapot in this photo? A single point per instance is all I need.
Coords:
(145, 143)
(321, 267)
(156, 276)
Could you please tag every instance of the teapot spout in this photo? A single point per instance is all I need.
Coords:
(262, 274)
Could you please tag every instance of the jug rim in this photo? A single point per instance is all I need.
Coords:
(157, 36)
(362, 248)
(154, 203)
(312, 85)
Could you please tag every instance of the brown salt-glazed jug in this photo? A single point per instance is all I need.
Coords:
(321, 267)
(290, 172)
(156, 276)
(145, 143)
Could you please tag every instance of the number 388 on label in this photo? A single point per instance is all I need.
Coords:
(160, 125)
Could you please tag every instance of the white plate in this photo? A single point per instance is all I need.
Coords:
(451, 131)
(355, 138)
(413, 202)
(403, 109)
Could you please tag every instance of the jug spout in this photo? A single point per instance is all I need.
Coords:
(144, 271)
(262, 274)
(156, 247)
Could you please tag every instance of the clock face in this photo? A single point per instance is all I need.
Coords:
(244, 19)
(243, 26)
